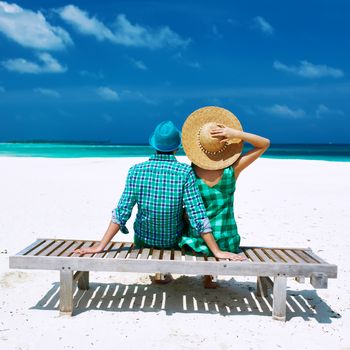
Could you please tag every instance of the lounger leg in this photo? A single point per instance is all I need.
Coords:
(279, 298)
(83, 281)
(262, 286)
(66, 291)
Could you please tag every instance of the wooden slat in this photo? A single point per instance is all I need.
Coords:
(251, 255)
(145, 253)
(124, 251)
(262, 256)
(51, 248)
(243, 256)
(269, 258)
(114, 250)
(102, 254)
(199, 257)
(69, 251)
(263, 247)
(284, 256)
(134, 252)
(296, 257)
(273, 255)
(310, 257)
(167, 254)
(317, 258)
(187, 255)
(31, 247)
(41, 247)
(62, 248)
(212, 259)
(86, 244)
(177, 255)
(156, 254)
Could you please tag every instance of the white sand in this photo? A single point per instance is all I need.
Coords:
(278, 202)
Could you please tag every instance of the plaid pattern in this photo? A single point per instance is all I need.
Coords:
(161, 187)
(218, 201)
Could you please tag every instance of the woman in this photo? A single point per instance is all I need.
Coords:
(212, 138)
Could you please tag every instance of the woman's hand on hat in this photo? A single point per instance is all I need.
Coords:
(225, 133)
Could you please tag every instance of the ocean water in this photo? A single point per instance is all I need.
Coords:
(329, 152)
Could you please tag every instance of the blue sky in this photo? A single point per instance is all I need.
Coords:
(112, 70)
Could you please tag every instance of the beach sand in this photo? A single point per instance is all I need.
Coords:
(293, 203)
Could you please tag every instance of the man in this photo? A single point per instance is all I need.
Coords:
(162, 188)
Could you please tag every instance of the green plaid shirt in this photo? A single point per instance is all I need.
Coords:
(218, 201)
(161, 187)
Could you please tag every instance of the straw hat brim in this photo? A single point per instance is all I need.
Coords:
(192, 147)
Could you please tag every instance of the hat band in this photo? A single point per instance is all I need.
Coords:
(205, 150)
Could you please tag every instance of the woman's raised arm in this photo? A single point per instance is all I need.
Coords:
(261, 144)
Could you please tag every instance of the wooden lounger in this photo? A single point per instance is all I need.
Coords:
(278, 263)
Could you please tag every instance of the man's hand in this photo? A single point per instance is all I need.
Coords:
(228, 255)
(89, 250)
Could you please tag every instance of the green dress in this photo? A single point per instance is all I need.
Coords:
(218, 202)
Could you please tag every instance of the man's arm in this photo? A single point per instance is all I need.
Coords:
(122, 213)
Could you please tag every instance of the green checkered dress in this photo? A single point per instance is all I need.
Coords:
(218, 201)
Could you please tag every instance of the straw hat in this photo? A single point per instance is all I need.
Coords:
(204, 150)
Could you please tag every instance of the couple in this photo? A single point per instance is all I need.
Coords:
(166, 191)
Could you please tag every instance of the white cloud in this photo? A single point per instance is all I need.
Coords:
(47, 65)
(310, 70)
(193, 64)
(179, 102)
(47, 92)
(108, 119)
(263, 25)
(108, 94)
(181, 59)
(93, 75)
(138, 64)
(324, 110)
(232, 21)
(130, 34)
(216, 33)
(123, 32)
(30, 29)
(84, 24)
(284, 111)
(137, 96)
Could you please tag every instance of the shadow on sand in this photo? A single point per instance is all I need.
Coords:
(186, 295)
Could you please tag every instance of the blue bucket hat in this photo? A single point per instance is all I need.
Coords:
(166, 137)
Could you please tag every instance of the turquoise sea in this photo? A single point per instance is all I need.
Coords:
(329, 152)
